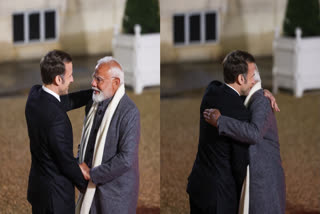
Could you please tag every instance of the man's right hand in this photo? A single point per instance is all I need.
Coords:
(85, 170)
(212, 116)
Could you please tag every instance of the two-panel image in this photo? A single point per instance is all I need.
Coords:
(149, 107)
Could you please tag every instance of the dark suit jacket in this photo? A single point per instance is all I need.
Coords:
(54, 170)
(220, 166)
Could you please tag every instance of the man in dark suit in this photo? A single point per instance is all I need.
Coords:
(54, 170)
(215, 183)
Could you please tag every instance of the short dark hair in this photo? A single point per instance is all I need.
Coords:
(234, 64)
(52, 64)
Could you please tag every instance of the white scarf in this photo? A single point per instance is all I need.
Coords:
(244, 201)
(255, 88)
(85, 200)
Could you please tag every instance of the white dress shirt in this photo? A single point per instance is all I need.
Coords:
(51, 92)
(233, 89)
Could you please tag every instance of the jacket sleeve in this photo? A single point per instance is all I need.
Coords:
(76, 100)
(61, 146)
(128, 151)
(248, 132)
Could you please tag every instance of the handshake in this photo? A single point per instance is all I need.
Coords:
(85, 170)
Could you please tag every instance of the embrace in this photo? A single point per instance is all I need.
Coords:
(238, 166)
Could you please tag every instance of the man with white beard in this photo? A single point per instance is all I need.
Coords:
(109, 144)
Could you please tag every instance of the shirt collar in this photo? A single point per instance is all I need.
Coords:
(233, 89)
(51, 92)
(105, 102)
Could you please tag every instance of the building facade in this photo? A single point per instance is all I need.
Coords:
(31, 28)
(208, 29)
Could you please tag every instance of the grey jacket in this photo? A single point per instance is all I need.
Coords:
(117, 178)
(267, 182)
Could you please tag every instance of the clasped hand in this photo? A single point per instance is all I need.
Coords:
(85, 170)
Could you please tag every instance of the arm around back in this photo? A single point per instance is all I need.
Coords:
(248, 132)
(76, 100)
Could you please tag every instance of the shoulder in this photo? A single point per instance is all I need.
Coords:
(212, 93)
(259, 100)
(214, 88)
(34, 92)
(259, 96)
(220, 94)
(41, 100)
(226, 100)
(44, 110)
(126, 104)
(128, 110)
(35, 88)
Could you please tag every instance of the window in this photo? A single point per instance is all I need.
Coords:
(211, 27)
(179, 29)
(18, 28)
(35, 26)
(195, 28)
(50, 25)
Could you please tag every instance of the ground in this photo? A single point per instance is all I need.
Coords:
(15, 153)
(299, 137)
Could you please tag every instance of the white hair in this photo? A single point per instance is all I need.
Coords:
(115, 71)
(257, 75)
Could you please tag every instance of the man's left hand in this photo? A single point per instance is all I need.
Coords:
(211, 116)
